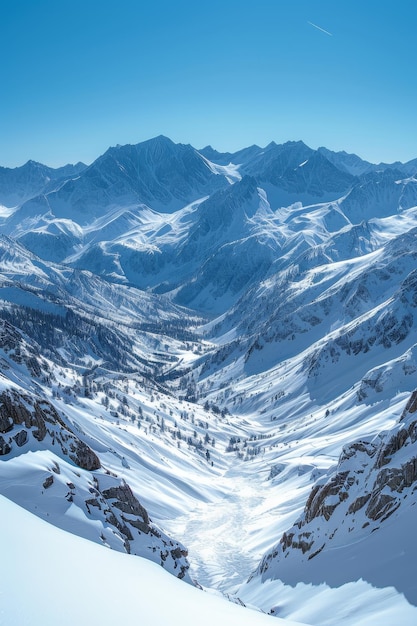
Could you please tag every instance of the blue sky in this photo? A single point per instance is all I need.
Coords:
(79, 76)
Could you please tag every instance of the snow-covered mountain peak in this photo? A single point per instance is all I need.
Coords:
(155, 149)
(22, 183)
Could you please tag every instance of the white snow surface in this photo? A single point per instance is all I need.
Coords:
(54, 576)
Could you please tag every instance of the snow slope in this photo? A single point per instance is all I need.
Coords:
(88, 584)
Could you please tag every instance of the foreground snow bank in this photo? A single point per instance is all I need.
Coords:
(51, 576)
(354, 604)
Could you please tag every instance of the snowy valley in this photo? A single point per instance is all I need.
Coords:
(209, 360)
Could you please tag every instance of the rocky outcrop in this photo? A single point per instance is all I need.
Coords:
(83, 455)
(125, 522)
(359, 503)
(321, 502)
(123, 499)
(5, 447)
(411, 406)
(29, 421)
(371, 482)
(108, 505)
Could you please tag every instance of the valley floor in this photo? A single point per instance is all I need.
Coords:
(219, 534)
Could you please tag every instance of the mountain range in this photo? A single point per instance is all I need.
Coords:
(209, 360)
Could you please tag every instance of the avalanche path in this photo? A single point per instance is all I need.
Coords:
(219, 533)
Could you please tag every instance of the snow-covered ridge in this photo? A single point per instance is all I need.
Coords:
(362, 508)
(109, 590)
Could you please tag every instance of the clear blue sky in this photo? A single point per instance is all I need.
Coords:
(78, 76)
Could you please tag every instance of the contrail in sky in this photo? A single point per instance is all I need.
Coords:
(320, 28)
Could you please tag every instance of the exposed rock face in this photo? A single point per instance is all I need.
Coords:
(106, 502)
(371, 481)
(411, 406)
(397, 441)
(40, 421)
(48, 482)
(5, 448)
(21, 438)
(119, 509)
(319, 500)
(84, 456)
(124, 500)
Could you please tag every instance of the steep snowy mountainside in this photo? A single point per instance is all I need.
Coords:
(21, 183)
(380, 194)
(56, 350)
(180, 253)
(54, 473)
(350, 163)
(314, 263)
(143, 253)
(91, 439)
(318, 353)
(363, 509)
(63, 239)
(97, 450)
(107, 590)
(224, 240)
(311, 393)
(54, 240)
(76, 290)
(94, 327)
(207, 254)
(336, 320)
(159, 173)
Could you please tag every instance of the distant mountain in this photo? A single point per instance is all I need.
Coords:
(350, 163)
(240, 157)
(271, 163)
(410, 168)
(380, 194)
(293, 171)
(117, 220)
(356, 166)
(157, 172)
(22, 183)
